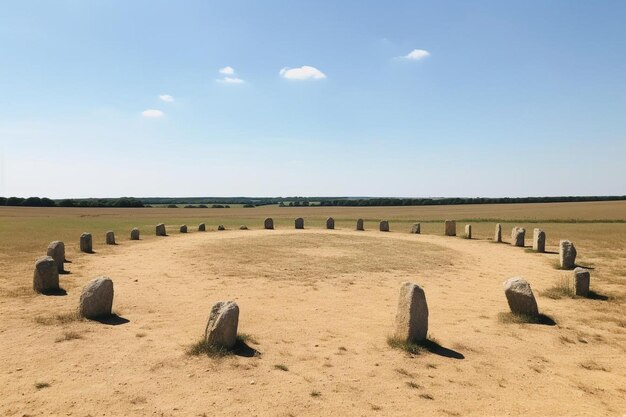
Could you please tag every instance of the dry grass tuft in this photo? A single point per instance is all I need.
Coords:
(281, 367)
(315, 393)
(69, 335)
(508, 318)
(63, 318)
(202, 347)
(42, 385)
(562, 289)
(593, 366)
(414, 385)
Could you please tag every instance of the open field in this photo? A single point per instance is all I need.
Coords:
(318, 306)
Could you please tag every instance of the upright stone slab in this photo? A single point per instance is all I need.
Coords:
(384, 226)
(567, 254)
(221, 328)
(268, 223)
(134, 234)
(539, 240)
(86, 243)
(330, 223)
(412, 315)
(96, 300)
(416, 228)
(582, 279)
(56, 250)
(46, 276)
(183, 228)
(468, 231)
(450, 228)
(518, 234)
(243, 227)
(160, 229)
(299, 223)
(520, 297)
(497, 237)
(202, 227)
(221, 227)
(359, 224)
(110, 238)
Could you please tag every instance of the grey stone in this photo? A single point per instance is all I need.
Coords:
(384, 226)
(202, 227)
(582, 279)
(330, 223)
(468, 231)
(450, 228)
(46, 276)
(160, 229)
(412, 314)
(520, 297)
(567, 254)
(497, 237)
(299, 223)
(183, 228)
(221, 328)
(56, 250)
(110, 238)
(134, 234)
(518, 234)
(269, 223)
(539, 240)
(243, 227)
(86, 243)
(96, 299)
(359, 224)
(416, 228)
(221, 227)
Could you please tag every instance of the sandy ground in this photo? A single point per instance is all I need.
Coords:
(322, 304)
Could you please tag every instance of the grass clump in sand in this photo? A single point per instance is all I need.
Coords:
(508, 318)
(62, 318)
(41, 385)
(414, 348)
(562, 289)
(281, 367)
(202, 347)
(69, 335)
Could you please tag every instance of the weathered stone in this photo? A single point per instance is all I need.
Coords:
(518, 234)
(56, 250)
(134, 234)
(221, 227)
(497, 237)
(416, 228)
(299, 223)
(160, 230)
(330, 223)
(567, 254)
(110, 238)
(520, 297)
(46, 276)
(221, 329)
(539, 240)
(450, 228)
(384, 226)
(202, 227)
(582, 279)
(359, 224)
(183, 228)
(269, 223)
(96, 300)
(243, 227)
(468, 231)
(86, 243)
(412, 315)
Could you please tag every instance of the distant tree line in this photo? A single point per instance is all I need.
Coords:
(453, 201)
(88, 202)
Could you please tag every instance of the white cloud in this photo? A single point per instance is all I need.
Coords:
(227, 70)
(305, 72)
(230, 80)
(166, 97)
(416, 55)
(152, 113)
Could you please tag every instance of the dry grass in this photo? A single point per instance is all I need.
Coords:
(69, 335)
(55, 319)
(562, 289)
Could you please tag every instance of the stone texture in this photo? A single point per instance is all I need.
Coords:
(518, 234)
(497, 237)
(221, 227)
(46, 276)
(243, 227)
(160, 229)
(567, 254)
(134, 234)
(269, 223)
(86, 243)
(202, 227)
(416, 228)
(183, 228)
(520, 297)
(539, 240)
(96, 300)
(110, 238)
(56, 250)
(299, 223)
(330, 223)
(450, 228)
(582, 279)
(359, 224)
(412, 314)
(221, 329)
(468, 231)
(384, 226)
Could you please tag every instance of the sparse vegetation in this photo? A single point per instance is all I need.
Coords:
(42, 385)
(427, 396)
(62, 318)
(413, 385)
(508, 318)
(562, 289)
(315, 393)
(281, 367)
(203, 348)
(69, 335)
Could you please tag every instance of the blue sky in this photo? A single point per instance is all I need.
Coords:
(502, 98)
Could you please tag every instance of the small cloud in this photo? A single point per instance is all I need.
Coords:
(416, 55)
(152, 114)
(230, 80)
(166, 98)
(227, 70)
(304, 72)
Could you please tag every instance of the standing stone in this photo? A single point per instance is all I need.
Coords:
(359, 224)
(567, 254)
(96, 300)
(56, 250)
(221, 329)
(468, 231)
(539, 240)
(518, 234)
(520, 297)
(160, 229)
(202, 227)
(243, 227)
(384, 226)
(299, 223)
(269, 223)
(221, 227)
(86, 244)
(416, 228)
(582, 279)
(330, 223)
(46, 276)
(110, 238)
(412, 315)
(497, 237)
(183, 228)
(134, 234)
(450, 228)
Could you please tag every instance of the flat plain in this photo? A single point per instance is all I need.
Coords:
(317, 306)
